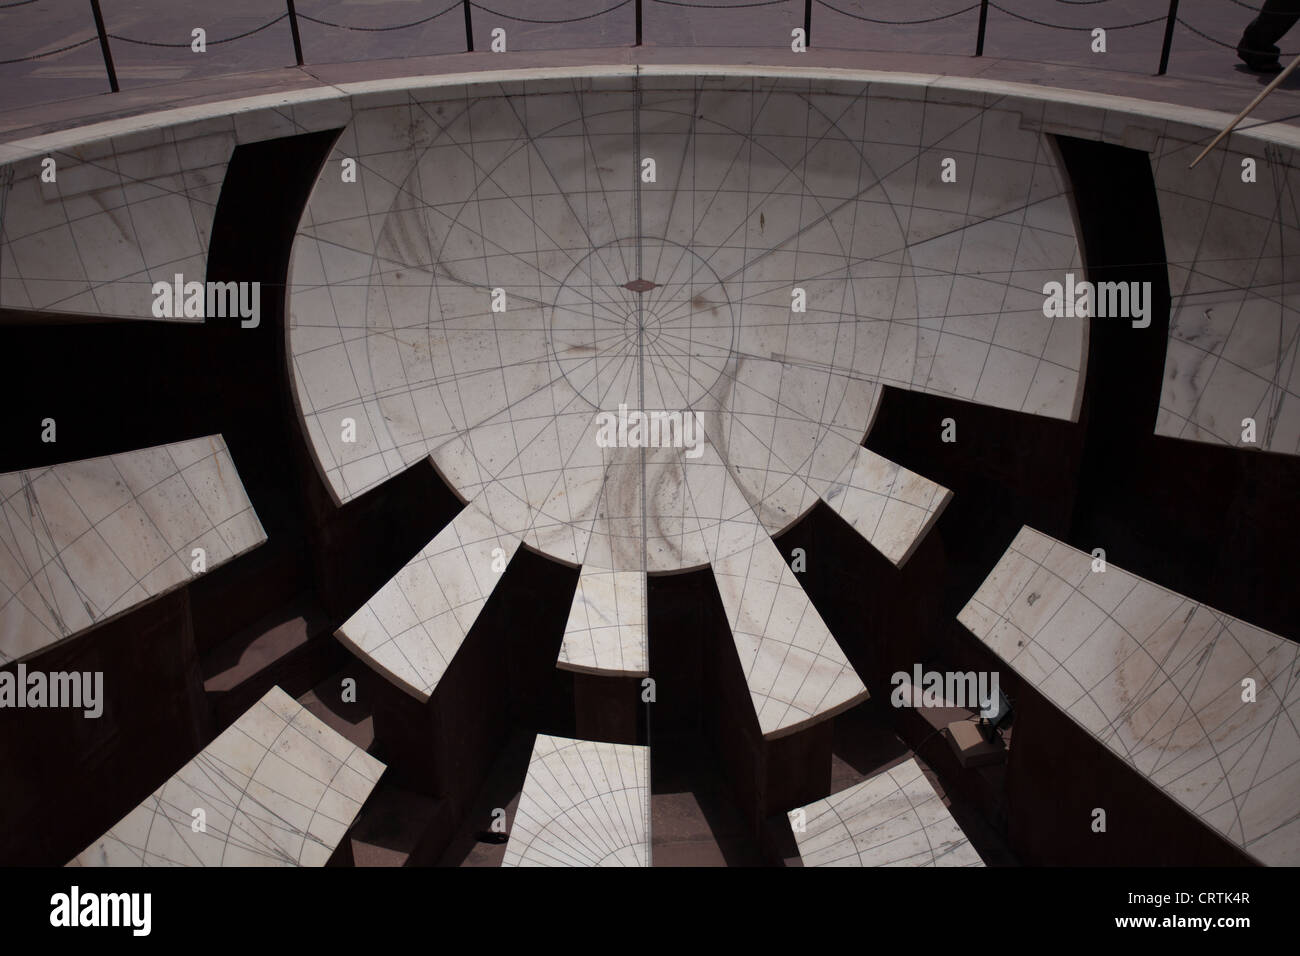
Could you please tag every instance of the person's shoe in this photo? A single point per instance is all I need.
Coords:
(1261, 61)
(1260, 65)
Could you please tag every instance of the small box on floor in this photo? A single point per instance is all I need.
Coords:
(970, 746)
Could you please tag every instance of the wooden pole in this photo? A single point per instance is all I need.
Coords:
(1277, 80)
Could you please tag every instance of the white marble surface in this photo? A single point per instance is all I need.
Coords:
(1234, 327)
(414, 625)
(1157, 678)
(79, 245)
(890, 506)
(278, 788)
(764, 181)
(761, 186)
(121, 215)
(83, 541)
(125, 210)
(795, 670)
(892, 819)
(606, 630)
(583, 803)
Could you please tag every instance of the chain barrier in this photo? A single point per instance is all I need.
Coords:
(858, 16)
(722, 6)
(238, 36)
(685, 4)
(511, 16)
(396, 26)
(62, 49)
(1061, 26)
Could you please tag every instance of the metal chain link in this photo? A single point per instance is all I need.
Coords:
(396, 26)
(62, 49)
(511, 16)
(1061, 26)
(722, 6)
(858, 16)
(238, 36)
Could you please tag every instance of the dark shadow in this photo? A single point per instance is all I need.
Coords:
(1292, 82)
(269, 637)
(986, 841)
(694, 821)
(501, 789)
(866, 743)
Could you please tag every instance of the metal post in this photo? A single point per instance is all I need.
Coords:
(638, 23)
(984, 20)
(469, 30)
(293, 28)
(807, 22)
(103, 45)
(1169, 37)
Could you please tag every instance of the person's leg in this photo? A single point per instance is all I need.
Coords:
(1258, 46)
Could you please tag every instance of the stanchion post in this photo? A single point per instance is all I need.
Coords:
(1169, 37)
(293, 28)
(103, 45)
(984, 22)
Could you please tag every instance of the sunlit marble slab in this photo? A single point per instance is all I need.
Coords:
(795, 670)
(1157, 678)
(890, 506)
(413, 626)
(277, 788)
(762, 187)
(892, 819)
(83, 541)
(120, 216)
(1234, 253)
(125, 211)
(538, 470)
(583, 803)
(606, 630)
